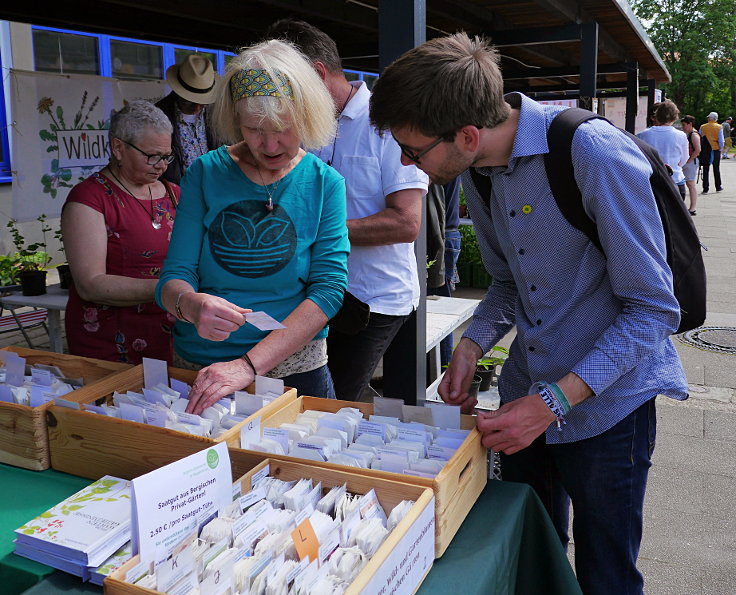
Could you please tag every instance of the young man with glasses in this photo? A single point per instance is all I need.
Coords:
(384, 210)
(593, 346)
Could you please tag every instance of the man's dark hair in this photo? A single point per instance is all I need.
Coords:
(441, 86)
(313, 43)
(688, 119)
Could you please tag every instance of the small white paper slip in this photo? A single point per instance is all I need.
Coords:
(40, 395)
(387, 407)
(445, 416)
(132, 413)
(156, 417)
(219, 582)
(166, 500)
(423, 415)
(95, 409)
(15, 369)
(279, 435)
(42, 377)
(6, 394)
(172, 571)
(269, 386)
(250, 433)
(155, 396)
(181, 387)
(263, 321)
(154, 372)
(247, 404)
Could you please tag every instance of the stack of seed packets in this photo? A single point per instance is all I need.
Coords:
(31, 385)
(398, 438)
(163, 402)
(281, 537)
(82, 532)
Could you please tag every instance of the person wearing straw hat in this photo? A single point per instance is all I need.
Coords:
(192, 88)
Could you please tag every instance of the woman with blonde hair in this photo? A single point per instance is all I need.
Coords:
(261, 227)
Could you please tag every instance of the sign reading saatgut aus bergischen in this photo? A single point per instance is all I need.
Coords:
(60, 133)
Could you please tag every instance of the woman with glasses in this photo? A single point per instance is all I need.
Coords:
(116, 227)
(261, 228)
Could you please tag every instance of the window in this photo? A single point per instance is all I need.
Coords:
(181, 53)
(136, 60)
(69, 53)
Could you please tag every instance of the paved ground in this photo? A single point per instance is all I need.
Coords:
(689, 543)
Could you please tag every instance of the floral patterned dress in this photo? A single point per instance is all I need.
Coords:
(134, 249)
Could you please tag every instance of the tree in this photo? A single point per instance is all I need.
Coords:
(696, 41)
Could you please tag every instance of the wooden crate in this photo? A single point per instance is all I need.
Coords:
(24, 440)
(456, 487)
(400, 564)
(92, 445)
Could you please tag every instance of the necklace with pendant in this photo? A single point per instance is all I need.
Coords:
(270, 191)
(155, 224)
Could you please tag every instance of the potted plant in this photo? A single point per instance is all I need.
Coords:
(486, 366)
(65, 273)
(32, 258)
(9, 273)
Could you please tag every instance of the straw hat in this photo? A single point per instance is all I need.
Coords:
(193, 79)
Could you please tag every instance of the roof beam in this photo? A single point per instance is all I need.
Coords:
(562, 71)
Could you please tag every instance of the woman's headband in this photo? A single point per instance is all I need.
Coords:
(256, 82)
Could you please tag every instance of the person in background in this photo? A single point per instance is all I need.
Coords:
(712, 132)
(451, 254)
(116, 227)
(261, 227)
(671, 144)
(192, 88)
(384, 215)
(690, 169)
(592, 349)
(727, 141)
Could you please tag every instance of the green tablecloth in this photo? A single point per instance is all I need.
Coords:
(506, 545)
(23, 496)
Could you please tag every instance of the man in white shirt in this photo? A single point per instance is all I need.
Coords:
(384, 210)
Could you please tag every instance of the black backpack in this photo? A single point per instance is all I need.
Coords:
(684, 254)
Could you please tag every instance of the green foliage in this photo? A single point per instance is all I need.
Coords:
(469, 249)
(695, 39)
(489, 362)
(9, 270)
(31, 257)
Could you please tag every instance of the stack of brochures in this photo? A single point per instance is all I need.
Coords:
(81, 533)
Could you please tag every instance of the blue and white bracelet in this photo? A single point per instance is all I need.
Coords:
(554, 398)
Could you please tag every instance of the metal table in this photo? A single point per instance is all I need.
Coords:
(54, 300)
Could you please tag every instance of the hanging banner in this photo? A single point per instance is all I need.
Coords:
(59, 134)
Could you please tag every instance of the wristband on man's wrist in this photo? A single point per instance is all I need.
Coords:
(558, 407)
(177, 308)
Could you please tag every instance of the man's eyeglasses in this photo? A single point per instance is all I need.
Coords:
(152, 159)
(416, 157)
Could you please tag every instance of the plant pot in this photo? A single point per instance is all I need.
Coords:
(65, 276)
(486, 377)
(475, 385)
(33, 282)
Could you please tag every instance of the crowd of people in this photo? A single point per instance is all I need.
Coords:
(284, 188)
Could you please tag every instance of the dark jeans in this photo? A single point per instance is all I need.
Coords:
(715, 160)
(605, 477)
(352, 359)
(315, 383)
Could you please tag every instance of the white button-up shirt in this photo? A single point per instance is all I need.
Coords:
(384, 277)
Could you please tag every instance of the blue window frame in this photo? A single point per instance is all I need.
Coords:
(4, 144)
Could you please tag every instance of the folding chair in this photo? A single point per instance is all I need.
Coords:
(23, 321)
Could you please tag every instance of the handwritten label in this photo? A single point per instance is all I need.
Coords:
(305, 541)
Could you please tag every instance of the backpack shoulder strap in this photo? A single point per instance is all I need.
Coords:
(560, 172)
(482, 184)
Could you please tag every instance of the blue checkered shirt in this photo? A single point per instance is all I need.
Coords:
(609, 320)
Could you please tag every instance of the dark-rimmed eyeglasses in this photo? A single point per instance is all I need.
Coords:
(152, 159)
(417, 157)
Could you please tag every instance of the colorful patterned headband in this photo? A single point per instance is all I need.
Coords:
(256, 82)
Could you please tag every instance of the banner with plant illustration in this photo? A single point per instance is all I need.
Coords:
(59, 133)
